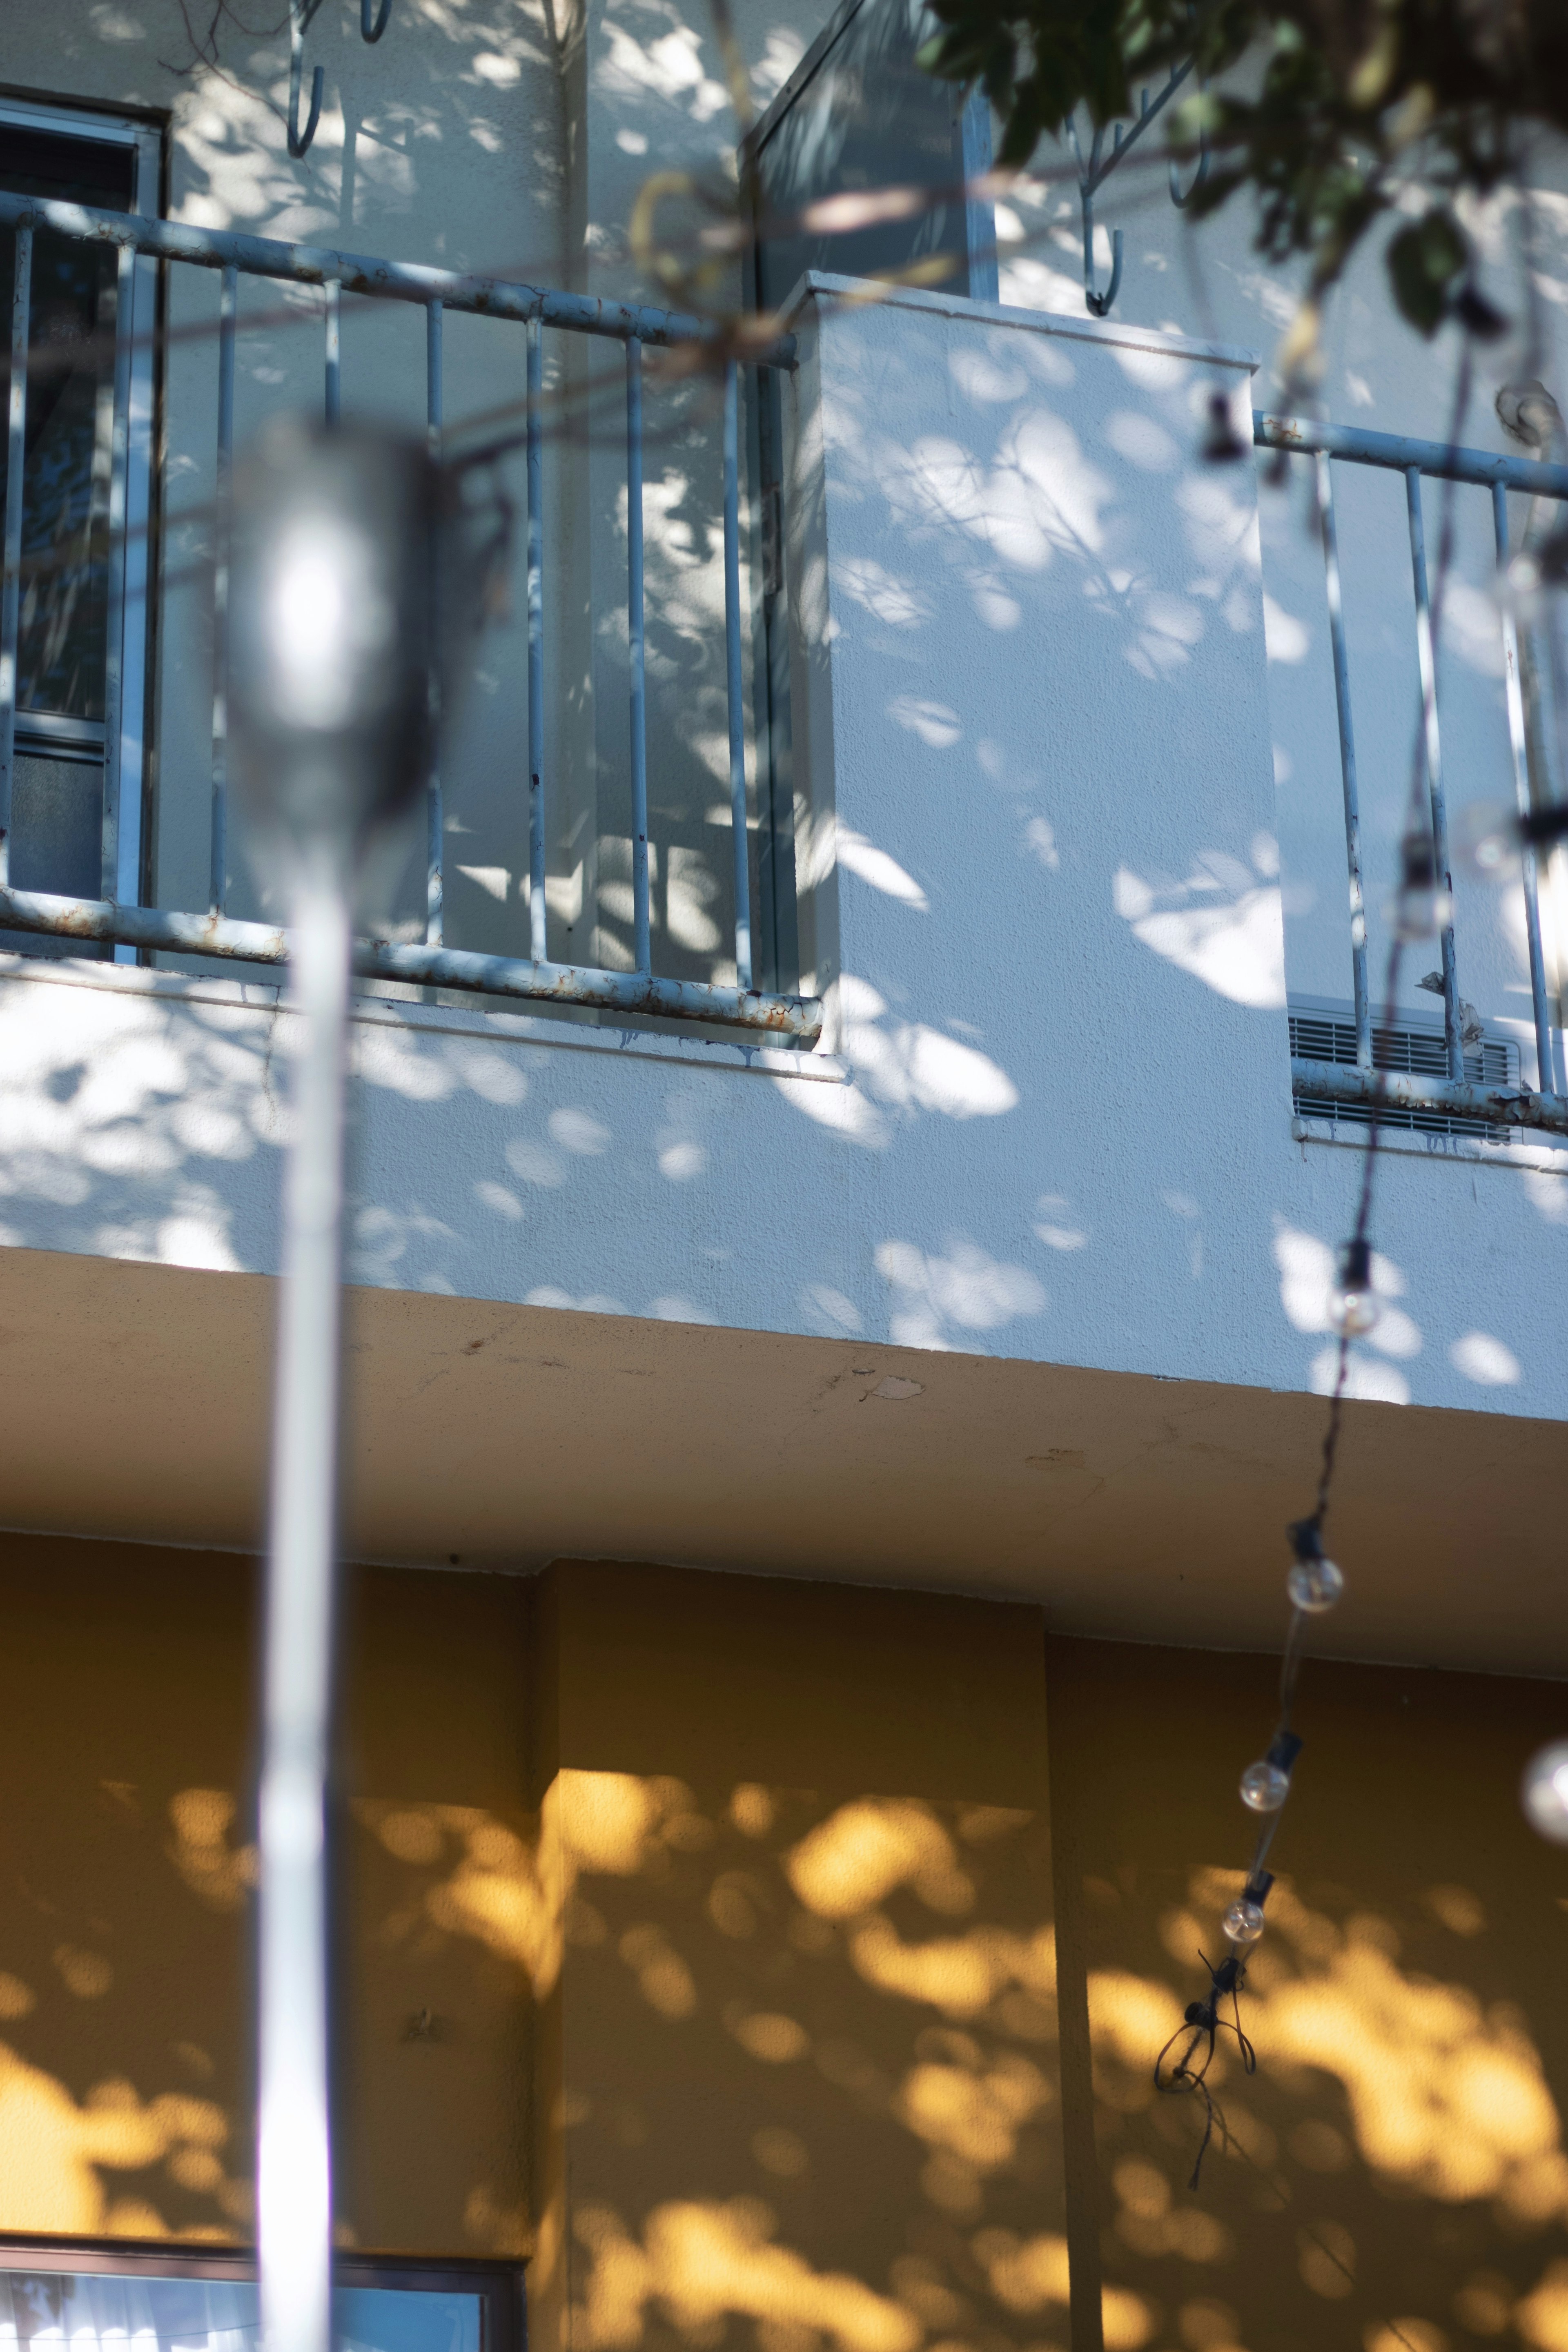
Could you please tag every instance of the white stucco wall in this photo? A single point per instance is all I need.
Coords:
(1053, 1125)
(1205, 277)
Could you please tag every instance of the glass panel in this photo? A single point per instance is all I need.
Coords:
(868, 119)
(405, 2319)
(87, 2312)
(70, 405)
(56, 818)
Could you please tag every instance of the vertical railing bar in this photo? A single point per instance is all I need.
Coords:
(733, 675)
(135, 582)
(1433, 748)
(11, 591)
(1545, 1076)
(114, 628)
(643, 950)
(537, 911)
(435, 890)
(228, 300)
(334, 350)
(1330, 537)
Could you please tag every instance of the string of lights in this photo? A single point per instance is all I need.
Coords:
(1420, 909)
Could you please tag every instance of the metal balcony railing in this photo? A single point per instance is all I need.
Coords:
(1374, 1077)
(532, 308)
(214, 934)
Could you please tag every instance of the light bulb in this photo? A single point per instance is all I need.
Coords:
(1242, 1922)
(1487, 836)
(1353, 1303)
(1352, 1313)
(1314, 1586)
(1544, 1791)
(1221, 444)
(1423, 904)
(1264, 1788)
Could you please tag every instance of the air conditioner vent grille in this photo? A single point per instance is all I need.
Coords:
(1420, 1053)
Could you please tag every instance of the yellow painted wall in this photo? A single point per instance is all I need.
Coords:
(729, 1898)
(1396, 2176)
(701, 1944)
(125, 1737)
(798, 2068)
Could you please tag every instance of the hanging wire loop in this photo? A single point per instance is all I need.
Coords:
(1200, 2028)
(300, 15)
(372, 26)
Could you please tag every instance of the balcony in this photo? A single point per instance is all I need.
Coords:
(1027, 1101)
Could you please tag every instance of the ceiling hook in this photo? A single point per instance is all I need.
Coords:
(369, 31)
(1087, 178)
(300, 15)
(1100, 303)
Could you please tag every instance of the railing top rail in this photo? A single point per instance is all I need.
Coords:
(750, 1010)
(358, 273)
(1444, 461)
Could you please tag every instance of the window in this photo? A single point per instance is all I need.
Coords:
(1323, 1029)
(76, 786)
(112, 2301)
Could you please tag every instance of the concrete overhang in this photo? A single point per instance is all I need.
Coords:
(498, 1437)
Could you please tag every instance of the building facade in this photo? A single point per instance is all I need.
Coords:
(856, 1095)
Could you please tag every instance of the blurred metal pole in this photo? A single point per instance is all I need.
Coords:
(294, 2190)
(337, 543)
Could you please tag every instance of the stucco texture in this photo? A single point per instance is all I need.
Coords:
(127, 1867)
(803, 2042)
(1393, 2177)
(781, 1965)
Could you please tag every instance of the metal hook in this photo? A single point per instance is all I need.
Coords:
(1099, 304)
(1091, 175)
(369, 32)
(300, 15)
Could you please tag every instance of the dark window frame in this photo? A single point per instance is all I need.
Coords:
(121, 747)
(498, 2283)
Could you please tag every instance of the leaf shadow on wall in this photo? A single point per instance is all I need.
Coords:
(809, 2061)
(1394, 2175)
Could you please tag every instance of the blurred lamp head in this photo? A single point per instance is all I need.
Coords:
(1545, 1792)
(345, 541)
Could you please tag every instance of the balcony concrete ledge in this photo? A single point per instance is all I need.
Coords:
(460, 1019)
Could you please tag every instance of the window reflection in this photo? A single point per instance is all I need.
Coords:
(70, 419)
(93, 2312)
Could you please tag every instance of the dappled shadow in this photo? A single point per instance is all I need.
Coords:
(125, 2055)
(1395, 2173)
(136, 1135)
(123, 1736)
(810, 2058)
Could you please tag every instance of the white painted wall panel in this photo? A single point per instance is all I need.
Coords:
(1057, 1127)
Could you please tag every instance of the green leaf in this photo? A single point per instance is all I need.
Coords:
(1423, 260)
